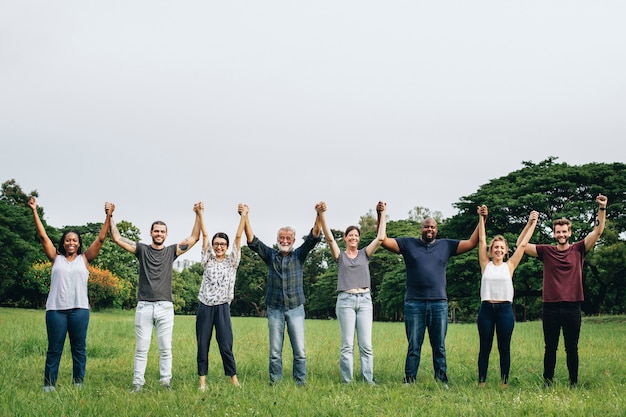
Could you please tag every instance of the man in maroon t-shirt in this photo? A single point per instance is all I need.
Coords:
(563, 290)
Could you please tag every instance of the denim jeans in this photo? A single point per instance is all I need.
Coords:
(355, 311)
(160, 315)
(498, 318)
(60, 323)
(294, 318)
(557, 316)
(418, 316)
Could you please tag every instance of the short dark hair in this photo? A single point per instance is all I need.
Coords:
(160, 223)
(351, 228)
(220, 235)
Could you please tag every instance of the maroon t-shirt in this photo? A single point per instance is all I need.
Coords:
(562, 272)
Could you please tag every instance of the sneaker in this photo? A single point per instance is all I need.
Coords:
(444, 384)
(135, 389)
(49, 388)
(408, 380)
(166, 385)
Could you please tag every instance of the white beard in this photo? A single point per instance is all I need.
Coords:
(285, 248)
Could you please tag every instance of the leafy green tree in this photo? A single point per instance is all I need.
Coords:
(120, 262)
(185, 286)
(250, 285)
(555, 190)
(19, 244)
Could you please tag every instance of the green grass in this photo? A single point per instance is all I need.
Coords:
(110, 363)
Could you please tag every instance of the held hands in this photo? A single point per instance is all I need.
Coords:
(381, 206)
(482, 210)
(243, 209)
(534, 216)
(32, 203)
(109, 208)
(602, 200)
(198, 207)
(320, 207)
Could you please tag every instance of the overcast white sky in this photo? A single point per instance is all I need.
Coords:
(155, 105)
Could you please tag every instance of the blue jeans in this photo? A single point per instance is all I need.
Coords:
(60, 323)
(557, 316)
(355, 311)
(418, 316)
(294, 318)
(498, 318)
(160, 315)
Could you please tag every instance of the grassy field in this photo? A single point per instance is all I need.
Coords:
(110, 349)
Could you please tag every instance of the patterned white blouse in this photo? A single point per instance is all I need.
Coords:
(218, 280)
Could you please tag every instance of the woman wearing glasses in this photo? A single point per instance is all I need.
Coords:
(216, 292)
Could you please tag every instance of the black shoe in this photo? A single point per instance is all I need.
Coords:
(408, 380)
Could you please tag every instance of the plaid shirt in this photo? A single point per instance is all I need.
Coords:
(284, 282)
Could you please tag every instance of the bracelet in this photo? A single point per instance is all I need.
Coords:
(602, 208)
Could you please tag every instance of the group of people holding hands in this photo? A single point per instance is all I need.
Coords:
(425, 300)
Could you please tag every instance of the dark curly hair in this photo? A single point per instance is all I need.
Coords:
(61, 248)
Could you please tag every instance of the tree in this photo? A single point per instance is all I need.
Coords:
(250, 285)
(19, 244)
(555, 190)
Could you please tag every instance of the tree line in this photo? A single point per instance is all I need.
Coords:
(553, 189)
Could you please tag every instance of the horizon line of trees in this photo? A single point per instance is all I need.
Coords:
(554, 189)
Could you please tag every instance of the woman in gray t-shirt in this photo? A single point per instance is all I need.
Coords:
(354, 301)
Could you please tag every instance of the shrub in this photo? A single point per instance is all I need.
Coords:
(104, 288)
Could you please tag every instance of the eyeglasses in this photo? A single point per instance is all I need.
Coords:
(220, 244)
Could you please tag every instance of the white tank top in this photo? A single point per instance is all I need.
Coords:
(68, 284)
(496, 283)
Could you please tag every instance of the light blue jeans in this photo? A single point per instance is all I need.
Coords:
(149, 315)
(418, 316)
(294, 318)
(355, 311)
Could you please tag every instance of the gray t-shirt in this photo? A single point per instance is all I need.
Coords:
(353, 273)
(155, 272)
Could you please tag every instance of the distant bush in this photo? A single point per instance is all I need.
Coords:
(105, 289)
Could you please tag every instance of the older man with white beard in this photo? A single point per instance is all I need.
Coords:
(285, 296)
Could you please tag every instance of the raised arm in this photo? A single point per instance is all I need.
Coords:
(317, 226)
(94, 248)
(188, 242)
(242, 209)
(592, 238)
(469, 244)
(205, 236)
(248, 229)
(483, 256)
(320, 208)
(48, 246)
(123, 242)
(522, 241)
(381, 224)
(389, 243)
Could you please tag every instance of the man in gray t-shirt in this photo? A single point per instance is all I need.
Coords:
(155, 302)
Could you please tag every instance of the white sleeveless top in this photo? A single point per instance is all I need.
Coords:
(496, 283)
(68, 284)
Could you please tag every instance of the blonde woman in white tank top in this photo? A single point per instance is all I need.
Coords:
(496, 292)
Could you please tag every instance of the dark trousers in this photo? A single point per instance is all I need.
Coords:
(557, 316)
(219, 317)
(498, 318)
(60, 323)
